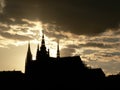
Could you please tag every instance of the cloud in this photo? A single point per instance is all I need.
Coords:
(2, 5)
(4, 27)
(110, 67)
(111, 54)
(21, 30)
(67, 52)
(72, 46)
(85, 52)
(15, 36)
(57, 35)
(79, 17)
(97, 44)
(111, 40)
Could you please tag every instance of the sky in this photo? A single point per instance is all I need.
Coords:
(88, 28)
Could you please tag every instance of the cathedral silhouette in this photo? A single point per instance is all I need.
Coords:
(60, 72)
(57, 71)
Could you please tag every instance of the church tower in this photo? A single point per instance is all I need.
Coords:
(43, 47)
(28, 59)
(42, 53)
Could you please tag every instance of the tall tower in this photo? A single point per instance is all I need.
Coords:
(28, 59)
(42, 53)
(58, 51)
(43, 47)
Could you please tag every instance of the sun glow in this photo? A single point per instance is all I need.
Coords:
(51, 45)
(30, 31)
(37, 30)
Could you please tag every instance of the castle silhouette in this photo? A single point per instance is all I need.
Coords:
(59, 72)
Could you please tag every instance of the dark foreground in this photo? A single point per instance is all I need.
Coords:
(19, 81)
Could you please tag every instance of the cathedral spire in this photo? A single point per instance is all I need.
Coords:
(43, 41)
(58, 52)
(38, 47)
(28, 58)
(43, 47)
(29, 54)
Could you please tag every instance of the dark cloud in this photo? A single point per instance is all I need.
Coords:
(77, 16)
(6, 19)
(67, 52)
(99, 45)
(4, 28)
(112, 40)
(2, 5)
(89, 51)
(111, 66)
(54, 35)
(14, 36)
(111, 54)
(72, 46)
(117, 32)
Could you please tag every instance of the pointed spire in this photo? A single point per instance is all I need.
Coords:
(29, 44)
(29, 50)
(38, 47)
(28, 58)
(43, 47)
(58, 52)
(43, 41)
